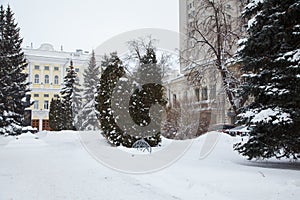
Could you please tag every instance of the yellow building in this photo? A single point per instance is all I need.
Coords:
(47, 69)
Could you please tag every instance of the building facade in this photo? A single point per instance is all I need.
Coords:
(47, 69)
(205, 92)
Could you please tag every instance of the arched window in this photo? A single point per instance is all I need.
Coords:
(46, 79)
(197, 93)
(56, 80)
(204, 93)
(36, 78)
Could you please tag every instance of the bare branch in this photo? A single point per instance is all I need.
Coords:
(211, 29)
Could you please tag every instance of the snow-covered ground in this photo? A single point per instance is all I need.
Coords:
(55, 165)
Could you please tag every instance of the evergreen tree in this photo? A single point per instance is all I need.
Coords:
(13, 85)
(271, 66)
(151, 92)
(77, 104)
(67, 94)
(89, 112)
(139, 103)
(56, 114)
(2, 66)
(113, 71)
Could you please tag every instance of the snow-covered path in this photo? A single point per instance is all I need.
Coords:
(56, 166)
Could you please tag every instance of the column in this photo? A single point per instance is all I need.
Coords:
(40, 123)
(51, 78)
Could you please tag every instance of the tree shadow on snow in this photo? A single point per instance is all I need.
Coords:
(288, 165)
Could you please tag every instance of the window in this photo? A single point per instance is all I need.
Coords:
(36, 95)
(46, 79)
(36, 78)
(174, 98)
(204, 93)
(197, 93)
(76, 69)
(56, 95)
(36, 67)
(36, 105)
(212, 92)
(191, 33)
(46, 95)
(46, 68)
(228, 6)
(56, 68)
(56, 80)
(191, 5)
(46, 105)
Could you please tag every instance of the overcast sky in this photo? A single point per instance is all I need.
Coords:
(85, 24)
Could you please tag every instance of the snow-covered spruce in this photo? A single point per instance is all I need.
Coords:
(67, 95)
(56, 114)
(113, 73)
(87, 118)
(271, 60)
(13, 85)
(77, 104)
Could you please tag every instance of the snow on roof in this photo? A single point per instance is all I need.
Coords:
(46, 47)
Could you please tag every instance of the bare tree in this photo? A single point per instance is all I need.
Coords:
(138, 48)
(213, 30)
(181, 121)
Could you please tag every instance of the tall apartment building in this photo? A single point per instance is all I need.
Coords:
(47, 69)
(207, 94)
